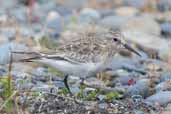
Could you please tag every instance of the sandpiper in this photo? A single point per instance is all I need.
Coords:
(82, 57)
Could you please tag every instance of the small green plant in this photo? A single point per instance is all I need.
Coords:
(63, 91)
(48, 43)
(6, 84)
(112, 96)
(74, 19)
(92, 95)
(8, 90)
(81, 93)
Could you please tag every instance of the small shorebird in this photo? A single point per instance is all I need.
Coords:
(82, 57)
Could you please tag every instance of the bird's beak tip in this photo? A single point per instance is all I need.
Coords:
(132, 50)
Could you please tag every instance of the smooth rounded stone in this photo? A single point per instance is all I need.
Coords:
(154, 67)
(101, 97)
(114, 22)
(101, 4)
(147, 40)
(89, 15)
(75, 89)
(142, 24)
(45, 88)
(20, 14)
(103, 105)
(124, 79)
(165, 54)
(24, 85)
(19, 74)
(166, 29)
(5, 50)
(135, 3)
(163, 86)
(126, 11)
(3, 17)
(105, 12)
(139, 112)
(92, 81)
(3, 39)
(23, 98)
(8, 4)
(167, 109)
(40, 71)
(140, 88)
(165, 16)
(166, 76)
(124, 63)
(3, 71)
(72, 3)
(63, 10)
(164, 5)
(54, 24)
(162, 97)
(41, 74)
(20, 70)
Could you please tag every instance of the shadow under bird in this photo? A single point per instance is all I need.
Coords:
(82, 57)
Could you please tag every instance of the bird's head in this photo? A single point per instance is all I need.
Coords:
(117, 39)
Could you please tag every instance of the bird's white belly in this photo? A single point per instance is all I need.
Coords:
(81, 70)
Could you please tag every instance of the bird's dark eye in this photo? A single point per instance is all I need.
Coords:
(115, 39)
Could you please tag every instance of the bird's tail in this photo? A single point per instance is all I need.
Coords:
(22, 56)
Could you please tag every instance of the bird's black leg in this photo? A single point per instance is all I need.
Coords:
(82, 81)
(66, 84)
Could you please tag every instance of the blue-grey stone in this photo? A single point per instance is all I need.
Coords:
(89, 15)
(135, 3)
(162, 97)
(54, 24)
(114, 22)
(139, 112)
(166, 29)
(166, 76)
(164, 5)
(140, 88)
(5, 51)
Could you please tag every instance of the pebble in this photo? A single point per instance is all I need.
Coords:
(41, 87)
(125, 78)
(166, 29)
(164, 5)
(101, 97)
(114, 21)
(165, 54)
(167, 109)
(135, 3)
(162, 97)
(142, 24)
(139, 112)
(92, 81)
(20, 14)
(105, 12)
(5, 50)
(140, 88)
(126, 11)
(89, 15)
(54, 24)
(103, 105)
(163, 86)
(166, 76)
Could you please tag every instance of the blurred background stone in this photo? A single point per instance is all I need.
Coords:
(89, 15)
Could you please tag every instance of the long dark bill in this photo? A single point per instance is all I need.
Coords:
(131, 49)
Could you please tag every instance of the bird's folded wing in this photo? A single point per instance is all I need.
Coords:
(31, 56)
